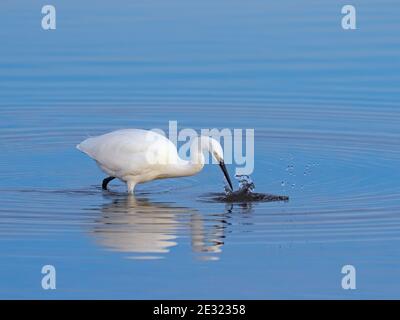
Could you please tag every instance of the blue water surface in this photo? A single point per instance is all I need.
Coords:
(324, 104)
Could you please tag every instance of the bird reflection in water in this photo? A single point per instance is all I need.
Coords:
(150, 230)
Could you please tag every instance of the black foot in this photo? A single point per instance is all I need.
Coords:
(106, 181)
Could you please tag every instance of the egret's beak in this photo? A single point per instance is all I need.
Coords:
(226, 174)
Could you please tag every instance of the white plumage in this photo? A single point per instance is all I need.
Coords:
(137, 156)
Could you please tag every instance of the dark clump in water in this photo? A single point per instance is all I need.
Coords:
(246, 193)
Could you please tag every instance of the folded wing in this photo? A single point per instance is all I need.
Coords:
(129, 152)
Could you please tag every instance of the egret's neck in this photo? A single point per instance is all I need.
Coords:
(188, 168)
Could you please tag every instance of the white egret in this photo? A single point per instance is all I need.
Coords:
(137, 156)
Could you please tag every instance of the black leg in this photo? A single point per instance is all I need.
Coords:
(106, 181)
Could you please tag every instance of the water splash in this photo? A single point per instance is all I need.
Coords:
(246, 193)
(245, 185)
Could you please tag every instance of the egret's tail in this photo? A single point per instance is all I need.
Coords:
(87, 147)
(81, 147)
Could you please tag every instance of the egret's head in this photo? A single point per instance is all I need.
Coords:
(214, 147)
